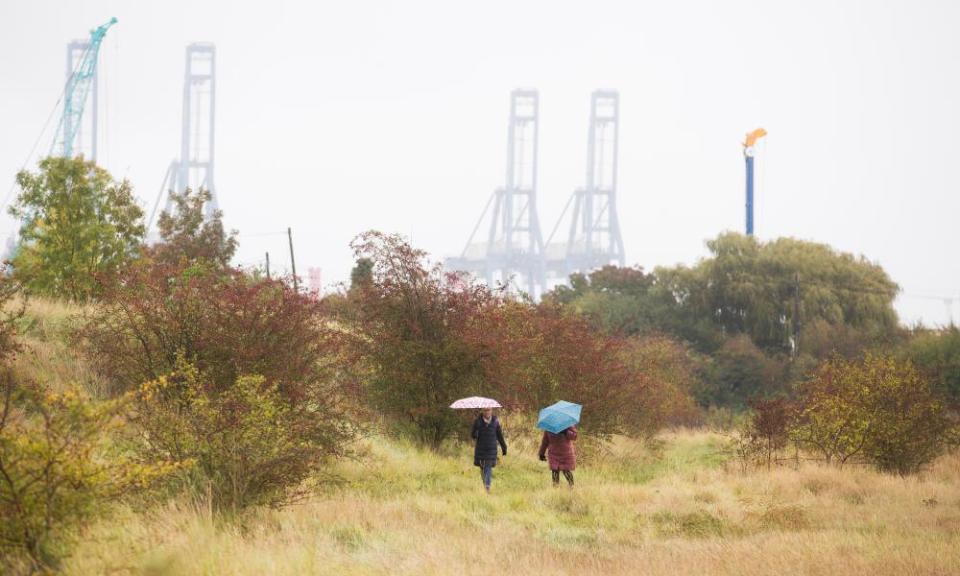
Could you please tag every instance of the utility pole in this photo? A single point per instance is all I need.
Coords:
(268, 265)
(293, 263)
(796, 315)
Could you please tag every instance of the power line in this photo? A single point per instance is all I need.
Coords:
(263, 234)
(13, 185)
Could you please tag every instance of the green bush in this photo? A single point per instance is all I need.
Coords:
(739, 371)
(249, 443)
(877, 408)
(936, 353)
(58, 467)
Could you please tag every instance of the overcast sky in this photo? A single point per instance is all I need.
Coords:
(338, 117)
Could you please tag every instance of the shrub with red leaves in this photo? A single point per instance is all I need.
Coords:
(409, 320)
(536, 355)
(235, 331)
(224, 322)
(429, 338)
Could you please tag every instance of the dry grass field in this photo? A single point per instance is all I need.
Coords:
(672, 507)
(401, 510)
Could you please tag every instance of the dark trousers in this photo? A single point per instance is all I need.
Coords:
(568, 474)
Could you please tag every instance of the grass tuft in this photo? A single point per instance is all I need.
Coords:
(698, 524)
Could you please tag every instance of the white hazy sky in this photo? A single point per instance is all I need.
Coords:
(337, 117)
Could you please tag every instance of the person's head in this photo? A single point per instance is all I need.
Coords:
(487, 413)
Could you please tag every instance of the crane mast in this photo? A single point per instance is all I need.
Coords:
(76, 93)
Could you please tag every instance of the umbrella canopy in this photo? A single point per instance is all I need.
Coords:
(475, 402)
(558, 417)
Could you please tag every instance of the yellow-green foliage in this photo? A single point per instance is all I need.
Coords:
(77, 225)
(678, 509)
(249, 445)
(58, 466)
(878, 408)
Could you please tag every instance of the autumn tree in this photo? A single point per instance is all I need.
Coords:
(876, 408)
(910, 427)
(59, 462)
(834, 419)
(240, 375)
(535, 355)
(76, 225)
(411, 318)
(223, 321)
(249, 443)
(429, 338)
(766, 432)
(664, 375)
(188, 236)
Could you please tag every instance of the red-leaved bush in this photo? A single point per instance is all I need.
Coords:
(224, 322)
(429, 337)
(265, 402)
(536, 355)
(407, 326)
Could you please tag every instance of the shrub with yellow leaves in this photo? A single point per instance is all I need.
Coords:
(59, 464)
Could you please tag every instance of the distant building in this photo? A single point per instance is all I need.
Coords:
(314, 281)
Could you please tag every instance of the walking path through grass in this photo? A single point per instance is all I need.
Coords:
(635, 510)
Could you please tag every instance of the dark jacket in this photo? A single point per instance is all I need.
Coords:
(487, 437)
(559, 448)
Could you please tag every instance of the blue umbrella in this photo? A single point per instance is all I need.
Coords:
(558, 417)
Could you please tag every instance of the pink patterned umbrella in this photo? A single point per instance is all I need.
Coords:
(475, 402)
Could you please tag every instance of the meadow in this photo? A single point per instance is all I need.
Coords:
(676, 509)
(676, 505)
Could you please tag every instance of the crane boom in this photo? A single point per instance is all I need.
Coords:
(76, 92)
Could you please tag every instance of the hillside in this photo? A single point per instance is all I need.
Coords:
(674, 506)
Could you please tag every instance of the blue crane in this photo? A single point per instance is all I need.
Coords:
(76, 93)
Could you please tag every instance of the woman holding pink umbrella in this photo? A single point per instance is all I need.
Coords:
(488, 434)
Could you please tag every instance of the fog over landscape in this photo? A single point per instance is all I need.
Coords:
(335, 118)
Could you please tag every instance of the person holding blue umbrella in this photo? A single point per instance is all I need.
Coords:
(559, 424)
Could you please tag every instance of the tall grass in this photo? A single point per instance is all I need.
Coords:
(673, 510)
(48, 355)
(670, 506)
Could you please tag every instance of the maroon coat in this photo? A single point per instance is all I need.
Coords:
(559, 449)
